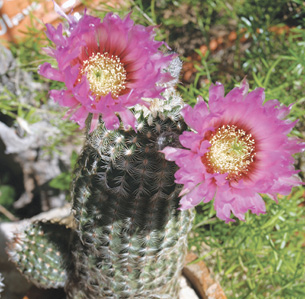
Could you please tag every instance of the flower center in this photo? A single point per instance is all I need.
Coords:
(105, 74)
(232, 151)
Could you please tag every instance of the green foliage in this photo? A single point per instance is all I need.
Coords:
(12, 107)
(205, 68)
(261, 257)
(7, 198)
(29, 54)
(7, 194)
(63, 181)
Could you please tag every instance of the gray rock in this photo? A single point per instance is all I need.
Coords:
(6, 60)
(186, 291)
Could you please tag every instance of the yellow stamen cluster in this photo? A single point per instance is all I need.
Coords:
(105, 73)
(232, 151)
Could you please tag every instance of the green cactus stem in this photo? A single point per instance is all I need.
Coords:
(125, 202)
(41, 253)
(130, 237)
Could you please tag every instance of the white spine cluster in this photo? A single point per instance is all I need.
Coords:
(172, 103)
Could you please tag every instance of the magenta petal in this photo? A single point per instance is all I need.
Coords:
(65, 56)
(135, 47)
(216, 91)
(192, 198)
(190, 140)
(171, 153)
(71, 74)
(185, 203)
(237, 94)
(128, 119)
(223, 212)
(204, 147)
(56, 35)
(221, 180)
(210, 192)
(270, 169)
(258, 203)
(63, 97)
(80, 116)
(111, 121)
(245, 201)
(216, 94)
(49, 72)
(49, 51)
(256, 96)
(194, 116)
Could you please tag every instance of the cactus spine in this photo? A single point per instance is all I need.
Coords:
(130, 237)
(125, 203)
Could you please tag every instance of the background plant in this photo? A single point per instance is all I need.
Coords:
(262, 257)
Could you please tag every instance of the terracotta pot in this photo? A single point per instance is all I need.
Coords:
(16, 15)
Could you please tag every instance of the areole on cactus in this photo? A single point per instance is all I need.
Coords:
(129, 239)
(132, 205)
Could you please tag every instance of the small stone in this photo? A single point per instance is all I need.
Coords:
(6, 59)
(186, 291)
(199, 276)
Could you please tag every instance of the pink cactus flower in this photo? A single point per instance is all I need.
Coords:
(107, 67)
(238, 148)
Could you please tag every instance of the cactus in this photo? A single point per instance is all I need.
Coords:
(41, 253)
(125, 203)
(130, 238)
(1, 284)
